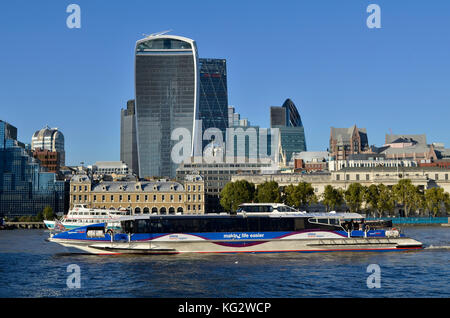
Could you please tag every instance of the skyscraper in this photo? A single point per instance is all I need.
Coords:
(167, 98)
(213, 105)
(128, 143)
(50, 139)
(24, 188)
(292, 133)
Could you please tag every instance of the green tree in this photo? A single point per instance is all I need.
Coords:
(48, 213)
(385, 201)
(406, 194)
(371, 198)
(236, 193)
(268, 192)
(332, 198)
(435, 199)
(301, 195)
(354, 196)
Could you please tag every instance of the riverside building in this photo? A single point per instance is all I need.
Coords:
(423, 177)
(141, 197)
(25, 190)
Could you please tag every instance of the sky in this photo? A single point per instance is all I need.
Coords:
(318, 53)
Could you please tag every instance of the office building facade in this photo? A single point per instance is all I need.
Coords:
(50, 139)
(213, 105)
(25, 189)
(292, 132)
(167, 98)
(128, 142)
(141, 197)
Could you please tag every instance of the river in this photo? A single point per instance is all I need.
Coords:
(32, 267)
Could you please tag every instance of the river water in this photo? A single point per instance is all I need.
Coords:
(31, 267)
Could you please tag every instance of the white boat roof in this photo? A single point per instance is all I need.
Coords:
(340, 215)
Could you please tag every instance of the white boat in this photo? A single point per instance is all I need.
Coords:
(81, 215)
(261, 228)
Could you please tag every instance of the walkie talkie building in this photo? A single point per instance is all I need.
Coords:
(167, 97)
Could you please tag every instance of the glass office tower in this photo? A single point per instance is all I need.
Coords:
(292, 132)
(128, 143)
(213, 105)
(167, 90)
(24, 188)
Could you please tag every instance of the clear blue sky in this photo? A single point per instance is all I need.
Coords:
(318, 53)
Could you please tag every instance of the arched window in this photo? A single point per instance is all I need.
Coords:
(180, 210)
(154, 211)
(163, 210)
(171, 210)
(146, 210)
(137, 210)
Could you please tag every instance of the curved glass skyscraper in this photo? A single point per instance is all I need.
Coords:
(292, 132)
(167, 97)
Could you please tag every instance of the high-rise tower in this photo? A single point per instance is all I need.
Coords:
(292, 132)
(167, 98)
(213, 105)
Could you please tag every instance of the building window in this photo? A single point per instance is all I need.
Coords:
(193, 188)
(436, 177)
(120, 198)
(103, 198)
(163, 198)
(357, 177)
(85, 188)
(338, 177)
(129, 198)
(146, 198)
(179, 198)
(74, 197)
(79, 198)
(112, 198)
(171, 197)
(95, 198)
(367, 177)
(347, 177)
(85, 198)
(137, 198)
(446, 176)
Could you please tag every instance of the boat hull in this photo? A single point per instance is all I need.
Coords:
(162, 246)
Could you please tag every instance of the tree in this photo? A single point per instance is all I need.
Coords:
(268, 192)
(435, 199)
(385, 200)
(371, 197)
(236, 193)
(48, 213)
(301, 195)
(332, 197)
(406, 194)
(354, 196)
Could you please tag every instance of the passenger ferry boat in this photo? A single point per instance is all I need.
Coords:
(253, 228)
(81, 216)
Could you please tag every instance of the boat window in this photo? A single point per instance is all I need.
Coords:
(256, 208)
